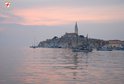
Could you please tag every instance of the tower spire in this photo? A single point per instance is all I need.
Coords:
(76, 28)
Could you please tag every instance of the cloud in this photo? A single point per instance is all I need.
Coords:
(63, 15)
(59, 12)
(9, 17)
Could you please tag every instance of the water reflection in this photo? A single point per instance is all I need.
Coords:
(54, 67)
(76, 65)
(62, 66)
(80, 62)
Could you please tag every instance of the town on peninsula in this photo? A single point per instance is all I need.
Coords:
(74, 40)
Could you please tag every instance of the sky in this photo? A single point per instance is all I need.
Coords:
(28, 20)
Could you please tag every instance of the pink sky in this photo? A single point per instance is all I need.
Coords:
(63, 15)
(52, 12)
(94, 17)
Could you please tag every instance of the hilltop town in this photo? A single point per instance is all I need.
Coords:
(73, 40)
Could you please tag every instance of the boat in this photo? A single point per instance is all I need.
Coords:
(83, 48)
(33, 47)
(104, 49)
(122, 48)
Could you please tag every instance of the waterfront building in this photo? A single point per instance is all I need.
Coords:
(115, 43)
(68, 40)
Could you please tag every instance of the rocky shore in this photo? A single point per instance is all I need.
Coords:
(74, 40)
(71, 41)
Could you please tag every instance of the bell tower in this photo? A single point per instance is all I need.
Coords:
(76, 28)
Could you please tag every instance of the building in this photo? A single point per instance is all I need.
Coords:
(68, 40)
(71, 39)
(75, 34)
(76, 28)
(115, 43)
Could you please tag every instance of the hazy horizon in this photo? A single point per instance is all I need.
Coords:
(26, 21)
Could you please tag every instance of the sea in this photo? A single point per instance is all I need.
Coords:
(60, 66)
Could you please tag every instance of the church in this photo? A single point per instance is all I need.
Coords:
(68, 40)
(75, 34)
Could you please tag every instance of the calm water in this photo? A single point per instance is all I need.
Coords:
(60, 66)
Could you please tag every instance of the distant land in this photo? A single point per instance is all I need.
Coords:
(73, 40)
